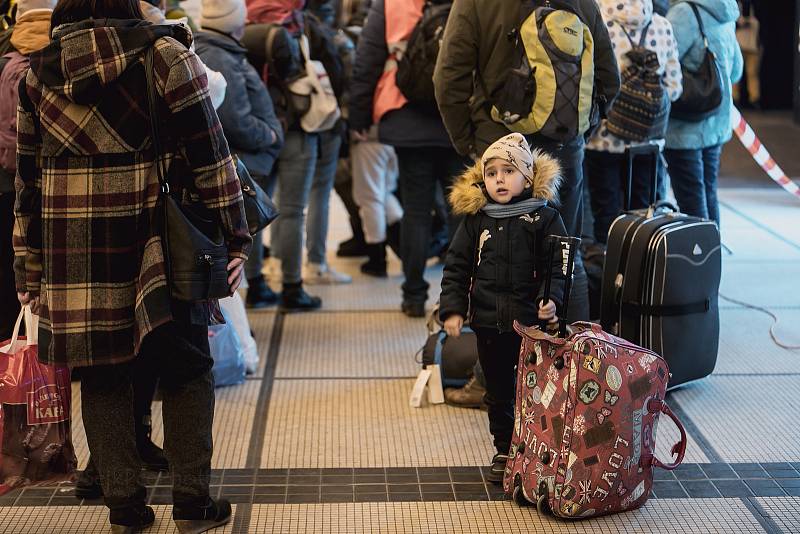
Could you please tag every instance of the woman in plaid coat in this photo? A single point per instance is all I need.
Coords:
(88, 250)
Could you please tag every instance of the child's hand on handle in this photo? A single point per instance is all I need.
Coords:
(547, 311)
(453, 324)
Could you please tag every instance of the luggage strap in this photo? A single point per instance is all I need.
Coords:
(666, 310)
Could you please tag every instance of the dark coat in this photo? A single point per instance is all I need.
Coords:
(86, 237)
(476, 39)
(506, 284)
(247, 115)
(410, 127)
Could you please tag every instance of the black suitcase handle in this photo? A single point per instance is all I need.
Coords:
(651, 150)
(570, 244)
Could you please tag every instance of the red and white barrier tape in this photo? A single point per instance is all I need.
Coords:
(751, 142)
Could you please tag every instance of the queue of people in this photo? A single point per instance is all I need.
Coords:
(310, 96)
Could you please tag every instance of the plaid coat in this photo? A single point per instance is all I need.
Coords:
(86, 234)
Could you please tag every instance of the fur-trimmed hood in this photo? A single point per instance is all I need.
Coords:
(467, 197)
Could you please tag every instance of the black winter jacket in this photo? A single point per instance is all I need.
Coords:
(495, 268)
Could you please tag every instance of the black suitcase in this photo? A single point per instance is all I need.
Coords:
(661, 281)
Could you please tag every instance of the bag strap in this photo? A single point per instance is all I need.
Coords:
(679, 449)
(31, 329)
(699, 21)
(643, 38)
(158, 149)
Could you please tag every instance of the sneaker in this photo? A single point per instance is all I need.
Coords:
(352, 248)
(469, 396)
(498, 469)
(295, 299)
(413, 308)
(88, 484)
(152, 456)
(259, 294)
(322, 273)
(131, 519)
(197, 519)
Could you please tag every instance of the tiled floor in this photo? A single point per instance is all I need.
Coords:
(322, 438)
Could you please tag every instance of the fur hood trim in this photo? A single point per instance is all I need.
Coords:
(467, 196)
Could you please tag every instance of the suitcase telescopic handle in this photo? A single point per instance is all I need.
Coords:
(679, 449)
(640, 149)
(570, 244)
(550, 246)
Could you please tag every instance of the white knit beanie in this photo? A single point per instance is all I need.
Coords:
(23, 6)
(514, 149)
(225, 16)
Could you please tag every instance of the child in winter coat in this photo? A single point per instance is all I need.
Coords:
(496, 264)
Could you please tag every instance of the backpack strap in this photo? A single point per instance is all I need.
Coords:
(643, 38)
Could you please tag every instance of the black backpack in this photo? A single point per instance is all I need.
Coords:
(415, 68)
(639, 113)
(324, 48)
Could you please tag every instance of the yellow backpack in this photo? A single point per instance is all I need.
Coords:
(548, 89)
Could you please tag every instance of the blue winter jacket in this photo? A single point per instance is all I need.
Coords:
(719, 21)
(247, 115)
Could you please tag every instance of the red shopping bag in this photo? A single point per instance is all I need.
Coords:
(35, 438)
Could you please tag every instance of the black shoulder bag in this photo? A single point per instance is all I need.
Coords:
(195, 252)
(702, 89)
(259, 209)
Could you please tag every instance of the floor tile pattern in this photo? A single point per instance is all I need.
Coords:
(785, 512)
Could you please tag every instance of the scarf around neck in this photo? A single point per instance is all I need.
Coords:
(501, 211)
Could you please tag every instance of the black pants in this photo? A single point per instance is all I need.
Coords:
(178, 354)
(604, 174)
(9, 305)
(420, 170)
(498, 354)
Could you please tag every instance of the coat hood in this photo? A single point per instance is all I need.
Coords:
(205, 39)
(86, 57)
(633, 14)
(467, 197)
(31, 32)
(722, 10)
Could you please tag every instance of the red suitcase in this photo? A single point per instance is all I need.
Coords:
(587, 406)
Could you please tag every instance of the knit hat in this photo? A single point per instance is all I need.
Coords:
(225, 16)
(23, 6)
(514, 149)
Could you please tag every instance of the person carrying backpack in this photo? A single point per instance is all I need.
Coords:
(425, 154)
(694, 143)
(647, 55)
(485, 85)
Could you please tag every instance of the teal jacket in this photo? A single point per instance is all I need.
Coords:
(719, 21)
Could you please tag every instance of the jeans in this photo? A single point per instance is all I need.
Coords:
(328, 147)
(606, 187)
(252, 267)
(306, 162)
(498, 354)
(178, 354)
(420, 170)
(693, 174)
(375, 172)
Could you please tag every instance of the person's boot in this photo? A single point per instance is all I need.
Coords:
(152, 455)
(376, 265)
(413, 308)
(356, 246)
(295, 299)
(498, 469)
(131, 519)
(197, 519)
(469, 396)
(259, 294)
(88, 484)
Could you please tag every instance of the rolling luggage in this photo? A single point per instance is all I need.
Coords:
(587, 406)
(661, 280)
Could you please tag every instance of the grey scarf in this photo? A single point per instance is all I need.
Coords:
(501, 211)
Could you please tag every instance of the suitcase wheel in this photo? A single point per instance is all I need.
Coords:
(519, 497)
(541, 504)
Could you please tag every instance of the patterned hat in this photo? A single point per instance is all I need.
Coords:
(514, 149)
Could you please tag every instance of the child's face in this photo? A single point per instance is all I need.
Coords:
(503, 180)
